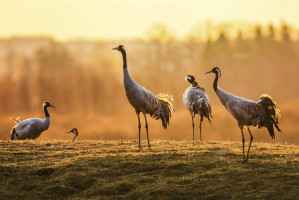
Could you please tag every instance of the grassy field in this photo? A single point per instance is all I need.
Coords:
(171, 170)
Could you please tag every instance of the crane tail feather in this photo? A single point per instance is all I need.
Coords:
(166, 108)
(16, 119)
(271, 130)
(165, 115)
(209, 119)
(272, 114)
(208, 113)
(205, 111)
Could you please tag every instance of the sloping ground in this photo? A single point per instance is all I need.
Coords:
(172, 170)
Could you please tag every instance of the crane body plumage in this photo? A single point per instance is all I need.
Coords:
(140, 98)
(143, 101)
(245, 111)
(197, 102)
(263, 113)
(32, 128)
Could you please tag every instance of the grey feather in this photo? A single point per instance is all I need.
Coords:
(197, 102)
(245, 111)
(31, 128)
(146, 102)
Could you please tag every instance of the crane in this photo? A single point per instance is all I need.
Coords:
(143, 101)
(32, 128)
(263, 113)
(76, 133)
(197, 102)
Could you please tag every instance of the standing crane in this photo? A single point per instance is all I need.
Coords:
(197, 102)
(32, 128)
(143, 101)
(263, 113)
(76, 133)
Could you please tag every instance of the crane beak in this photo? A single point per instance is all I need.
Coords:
(115, 48)
(69, 131)
(52, 106)
(209, 72)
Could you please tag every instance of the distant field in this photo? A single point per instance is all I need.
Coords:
(89, 169)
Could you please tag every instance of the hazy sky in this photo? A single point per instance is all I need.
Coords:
(114, 19)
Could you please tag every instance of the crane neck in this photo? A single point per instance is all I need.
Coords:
(46, 111)
(215, 84)
(194, 84)
(124, 58)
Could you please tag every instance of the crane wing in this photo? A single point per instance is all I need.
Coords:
(30, 128)
(245, 111)
(197, 101)
(24, 126)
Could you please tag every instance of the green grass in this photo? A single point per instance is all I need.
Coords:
(172, 170)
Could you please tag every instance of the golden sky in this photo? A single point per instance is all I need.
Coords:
(117, 19)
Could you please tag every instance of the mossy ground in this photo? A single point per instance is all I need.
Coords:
(171, 170)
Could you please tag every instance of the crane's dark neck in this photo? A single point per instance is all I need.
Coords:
(194, 84)
(46, 111)
(215, 84)
(124, 58)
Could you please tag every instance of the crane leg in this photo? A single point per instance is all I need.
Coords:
(251, 138)
(201, 118)
(243, 141)
(193, 125)
(146, 126)
(139, 127)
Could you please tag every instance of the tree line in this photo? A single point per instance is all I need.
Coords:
(55, 73)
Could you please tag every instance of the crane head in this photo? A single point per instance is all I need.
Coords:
(190, 78)
(215, 70)
(47, 104)
(74, 130)
(120, 48)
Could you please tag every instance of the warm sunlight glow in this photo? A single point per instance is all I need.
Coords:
(95, 103)
(114, 19)
(61, 52)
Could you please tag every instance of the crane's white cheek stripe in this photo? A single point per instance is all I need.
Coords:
(219, 73)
